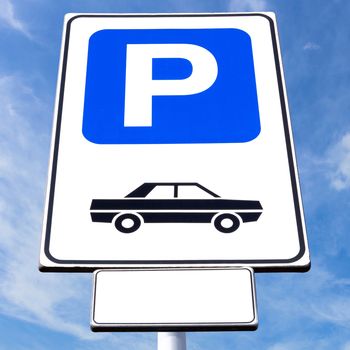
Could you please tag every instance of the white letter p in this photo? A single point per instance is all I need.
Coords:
(140, 87)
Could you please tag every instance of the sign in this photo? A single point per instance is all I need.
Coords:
(172, 146)
(130, 97)
(174, 300)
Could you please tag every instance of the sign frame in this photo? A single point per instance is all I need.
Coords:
(300, 262)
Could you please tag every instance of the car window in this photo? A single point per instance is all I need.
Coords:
(190, 192)
(162, 192)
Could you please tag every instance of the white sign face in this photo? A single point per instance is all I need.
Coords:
(205, 299)
(172, 146)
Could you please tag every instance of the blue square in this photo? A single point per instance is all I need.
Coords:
(226, 112)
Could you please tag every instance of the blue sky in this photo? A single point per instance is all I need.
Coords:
(296, 311)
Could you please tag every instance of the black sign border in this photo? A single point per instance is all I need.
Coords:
(259, 265)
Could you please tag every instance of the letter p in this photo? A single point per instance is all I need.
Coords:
(140, 87)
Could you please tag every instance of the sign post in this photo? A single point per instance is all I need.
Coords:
(171, 341)
(172, 160)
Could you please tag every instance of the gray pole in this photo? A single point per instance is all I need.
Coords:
(171, 341)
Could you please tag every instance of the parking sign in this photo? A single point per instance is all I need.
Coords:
(172, 146)
(146, 86)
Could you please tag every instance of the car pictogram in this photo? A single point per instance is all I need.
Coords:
(189, 202)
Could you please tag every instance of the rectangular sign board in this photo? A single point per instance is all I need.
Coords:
(174, 300)
(172, 146)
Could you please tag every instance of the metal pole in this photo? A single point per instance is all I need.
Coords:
(171, 341)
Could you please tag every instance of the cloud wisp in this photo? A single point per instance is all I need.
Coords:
(338, 160)
(333, 166)
(321, 296)
(311, 46)
(8, 17)
(250, 5)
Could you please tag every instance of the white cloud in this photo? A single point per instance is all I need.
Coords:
(338, 160)
(311, 46)
(25, 293)
(333, 166)
(9, 17)
(306, 344)
(247, 5)
(319, 296)
(123, 341)
(290, 345)
(335, 309)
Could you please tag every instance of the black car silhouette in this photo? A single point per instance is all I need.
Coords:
(143, 205)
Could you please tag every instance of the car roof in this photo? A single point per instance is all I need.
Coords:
(143, 190)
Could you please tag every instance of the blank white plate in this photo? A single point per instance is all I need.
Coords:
(174, 299)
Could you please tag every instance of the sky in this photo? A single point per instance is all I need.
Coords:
(296, 310)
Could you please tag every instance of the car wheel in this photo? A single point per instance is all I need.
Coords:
(227, 223)
(127, 223)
